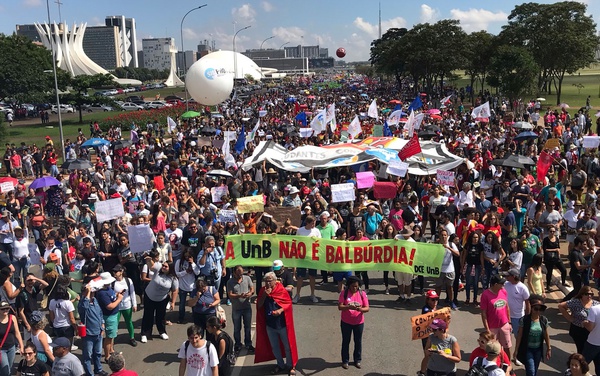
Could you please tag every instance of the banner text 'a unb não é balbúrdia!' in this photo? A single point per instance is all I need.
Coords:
(334, 255)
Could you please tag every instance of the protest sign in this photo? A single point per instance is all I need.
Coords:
(159, 183)
(204, 141)
(591, 142)
(364, 179)
(334, 255)
(445, 178)
(420, 323)
(342, 192)
(34, 254)
(218, 192)
(397, 168)
(218, 143)
(282, 213)
(227, 216)
(141, 238)
(7, 187)
(109, 209)
(552, 143)
(385, 189)
(378, 131)
(250, 204)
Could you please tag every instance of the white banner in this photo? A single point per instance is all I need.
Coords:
(589, 142)
(7, 187)
(141, 238)
(445, 178)
(109, 209)
(218, 192)
(397, 169)
(306, 132)
(225, 216)
(342, 192)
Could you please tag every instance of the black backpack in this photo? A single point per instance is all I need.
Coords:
(477, 369)
(230, 352)
(187, 345)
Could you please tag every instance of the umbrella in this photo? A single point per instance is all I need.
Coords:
(395, 101)
(515, 161)
(540, 99)
(523, 125)
(385, 111)
(431, 128)
(434, 111)
(221, 173)
(436, 117)
(44, 181)
(121, 144)
(564, 105)
(190, 114)
(94, 142)
(526, 136)
(311, 97)
(208, 130)
(427, 134)
(76, 164)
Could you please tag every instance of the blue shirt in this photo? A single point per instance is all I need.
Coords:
(105, 297)
(213, 261)
(91, 315)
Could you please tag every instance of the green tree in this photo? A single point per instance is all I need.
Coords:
(560, 36)
(384, 54)
(479, 48)
(79, 86)
(513, 70)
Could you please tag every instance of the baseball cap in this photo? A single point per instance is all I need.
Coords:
(62, 342)
(438, 324)
(493, 348)
(431, 294)
(277, 265)
(497, 279)
(515, 272)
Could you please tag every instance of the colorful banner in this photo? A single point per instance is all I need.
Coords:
(420, 323)
(334, 255)
(250, 204)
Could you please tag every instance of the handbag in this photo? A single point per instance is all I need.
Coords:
(221, 316)
(6, 334)
(44, 302)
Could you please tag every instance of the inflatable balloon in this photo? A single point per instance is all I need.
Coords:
(208, 81)
(340, 52)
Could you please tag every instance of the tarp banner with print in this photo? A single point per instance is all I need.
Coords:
(334, 255)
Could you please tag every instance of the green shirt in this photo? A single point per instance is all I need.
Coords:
(535, 335)
(327, 232)
(530, 248)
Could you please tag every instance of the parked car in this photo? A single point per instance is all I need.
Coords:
(97, 107)
(174, 102)
(64, 109)
(173, 97)
(130, 106)
(157, 104)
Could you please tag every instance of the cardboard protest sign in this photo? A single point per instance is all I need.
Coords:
(204, 141)
(218, 143)
(364, 179)
(281, 213)
(250, 204)
(218, 192)
(334, 255)
(385, 189)
(109, 209)
(552, 143)
(445, 178)
(420, 323)
(342, 192)
(141, 238)
(225, 216)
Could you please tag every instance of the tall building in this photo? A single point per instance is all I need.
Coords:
(190, 58)
(29, 31)
(102, 45)
(265, 54)
(128, 42)
(306, 51)
(157, 52)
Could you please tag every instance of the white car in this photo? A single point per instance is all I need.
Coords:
(6, 110)
(97, 107)
(64, 109)
(130, 106)
(157, 104)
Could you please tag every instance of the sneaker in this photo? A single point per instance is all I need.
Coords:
(453, 306)
(407, 301)
(566, 284)
(229, 302)
(517, 363)
(387, 291)
(144, 339)
(102, 373)
(133, 342)
(358, 365)
(296, 299)
(345, 366)
(314, 299)
(420, 373)
(400, 300)
(237, 348)
(164, 336)
(250, 348)
(74, 348)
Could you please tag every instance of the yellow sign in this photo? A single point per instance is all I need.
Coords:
(250, 204)
(552, 143)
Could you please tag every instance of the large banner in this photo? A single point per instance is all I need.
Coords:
(334, 255)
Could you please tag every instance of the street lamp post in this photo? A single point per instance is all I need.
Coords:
(187, 105)
(263, 42)
(60, 125)
(281, 47)
(234, 53)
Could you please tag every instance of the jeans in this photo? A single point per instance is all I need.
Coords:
(577, 279)
(532, 361)
(472, 280)
(579, 336)
(238, 316)
(92, 352)
(8, 358)
(515, 325)
(347, 331)
(154, 313)
(276, 335)
(591, 353)
(7, 248)
(182, 299)
(21, 268)
(490, 270)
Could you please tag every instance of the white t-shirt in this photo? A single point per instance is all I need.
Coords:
(61, 309)
(314, 232)
(516, 294)
(125, 285)
(197, 359)
(448, 264)
(594, 316)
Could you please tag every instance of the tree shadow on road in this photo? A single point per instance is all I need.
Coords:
(162, 357)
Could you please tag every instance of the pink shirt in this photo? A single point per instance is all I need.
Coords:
(396, 219)
(496, 308)
(351, 316)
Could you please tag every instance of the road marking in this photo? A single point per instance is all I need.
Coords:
(241, 359)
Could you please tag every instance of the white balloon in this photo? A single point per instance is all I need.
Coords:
(209, 81)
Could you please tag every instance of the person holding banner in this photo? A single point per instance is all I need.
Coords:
(442, 350)
(310, 230)
(353, 303)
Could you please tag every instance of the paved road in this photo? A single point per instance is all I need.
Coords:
(387, 348)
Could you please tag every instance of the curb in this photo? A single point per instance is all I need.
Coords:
(556, 280)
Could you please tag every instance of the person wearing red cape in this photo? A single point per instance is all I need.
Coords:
(275, 332)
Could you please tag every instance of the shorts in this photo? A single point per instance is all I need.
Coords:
(301, 272)
(444, 279)
(111, 326)
(404, 279)
(340, 276)
(503, 335)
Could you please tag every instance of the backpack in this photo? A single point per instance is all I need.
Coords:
(187, 345)
(230, 353)
(477, 369)
(360, 293)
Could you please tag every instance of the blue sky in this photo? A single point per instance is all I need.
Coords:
(351, 24)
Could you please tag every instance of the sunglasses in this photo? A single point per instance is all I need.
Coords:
(29, 353)
(4, 309)
(539, 309)
(590, 294)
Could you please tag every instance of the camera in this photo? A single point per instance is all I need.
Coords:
(212, 278)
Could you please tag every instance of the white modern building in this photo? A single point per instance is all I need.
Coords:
(127, 42)
(157, 52)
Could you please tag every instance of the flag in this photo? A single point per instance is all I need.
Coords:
(543, 165)
(241, 141)
(330, 118)
(373, 110)
(482, 111)
(411, 148)
(296, 107)
(301, 117)
(354, 129)
(413, 122)
(395, 117)
(171, 124)
(318, 122)
(226, 144)
(447, 99)
(387, 132)
(416, 104)
(254, 130)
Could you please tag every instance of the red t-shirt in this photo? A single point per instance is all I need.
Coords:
(124, 372)
(480, 353)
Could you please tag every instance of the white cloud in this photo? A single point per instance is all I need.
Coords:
(266, 6)
(96, 21)
(477, 19)
(373, 30)
(243, 13)
(429, 14)
(32, 3)
(289, 34)
(190, 34)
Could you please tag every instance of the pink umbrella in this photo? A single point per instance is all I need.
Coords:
(434, 111)
(311, 97)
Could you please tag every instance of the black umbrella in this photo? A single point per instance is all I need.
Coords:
(121, 144)
(515, 161)
(431, 128)
(76, 164)
(427, 134)
(208, 130)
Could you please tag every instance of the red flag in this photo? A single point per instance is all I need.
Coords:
(411, 148)
(296, 108)
(543, 165)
